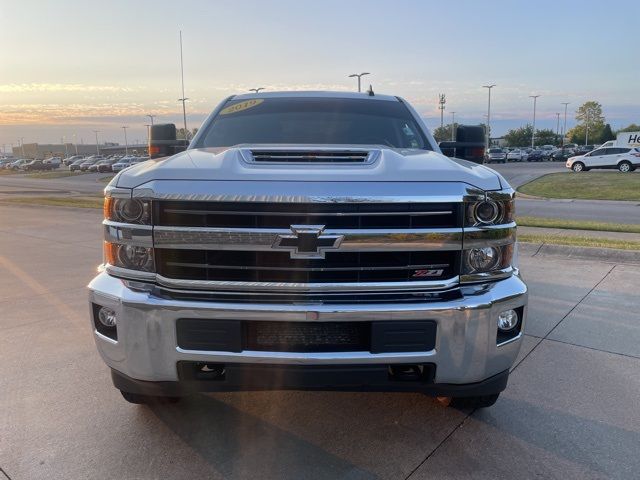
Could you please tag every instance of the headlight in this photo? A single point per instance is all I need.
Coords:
(127, 210)
(129, 256)
(489, 212)
(486, 260)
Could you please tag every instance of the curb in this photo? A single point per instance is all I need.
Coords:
(609, 255)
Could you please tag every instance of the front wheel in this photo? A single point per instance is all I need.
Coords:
(577, 167)
(624, 167)
(482, 401)
(147, 399)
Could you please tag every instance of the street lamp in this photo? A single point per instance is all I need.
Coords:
(489, 87)
(184, 117)
(453, 125)
(359, 76)
(22, 145)
(151, 117)
(148, 132)
(564, 128)
(97, 145)
(126, 143)
(533, 133)
(75, 143)
(257, 90)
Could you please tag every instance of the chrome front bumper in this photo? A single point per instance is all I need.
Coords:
(465, 352)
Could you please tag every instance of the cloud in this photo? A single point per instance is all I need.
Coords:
(61, 87)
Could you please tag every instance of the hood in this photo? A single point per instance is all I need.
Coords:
(391, 165)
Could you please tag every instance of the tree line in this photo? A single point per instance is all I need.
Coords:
(589, 113)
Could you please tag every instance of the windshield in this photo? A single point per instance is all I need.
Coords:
(327, 121)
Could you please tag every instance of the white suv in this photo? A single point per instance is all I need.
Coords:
(624, 159)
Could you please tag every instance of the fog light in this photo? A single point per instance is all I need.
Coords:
(507, 320)
(107, 317)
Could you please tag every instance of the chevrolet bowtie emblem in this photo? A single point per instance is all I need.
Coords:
(307, 241)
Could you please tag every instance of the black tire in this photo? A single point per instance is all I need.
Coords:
(578, 167)
(147, 399)
(482, 401)
(625, 167)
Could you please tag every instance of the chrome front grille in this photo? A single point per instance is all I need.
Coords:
(273, 215)
(310, 156)
(252, 245)
(276, 267)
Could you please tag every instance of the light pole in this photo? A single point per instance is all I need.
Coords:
(126, 143)
(22, 145)
(97, 145)
(148, 132)
(441, 102)
(183, 99)
(557, 125)
(151, 117)
(359, 75)
(564, 128)
(453, 125)
(586, 132)
(533, 132)
(75, 143)
(256, 90)
(489, 87)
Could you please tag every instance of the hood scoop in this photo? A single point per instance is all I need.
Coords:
(303, 156)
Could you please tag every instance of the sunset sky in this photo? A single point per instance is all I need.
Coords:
(69, 67)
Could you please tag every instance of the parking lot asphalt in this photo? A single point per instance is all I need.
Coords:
(570, 410)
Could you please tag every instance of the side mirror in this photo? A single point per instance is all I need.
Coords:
(469, 144)
(163, 141)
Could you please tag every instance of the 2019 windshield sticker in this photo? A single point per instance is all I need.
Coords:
(238, 107)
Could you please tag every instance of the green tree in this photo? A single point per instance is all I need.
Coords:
(589, 116)
(546, 137)
(443, 134)
(519, 137)
(630, 128)
(180, 133)
(606, 134)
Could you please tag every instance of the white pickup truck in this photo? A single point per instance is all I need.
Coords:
(310, 240)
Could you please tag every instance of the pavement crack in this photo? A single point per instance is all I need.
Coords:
(627, 355)
(5, 473)
(579, 302)
(546, 337)
(440, 444)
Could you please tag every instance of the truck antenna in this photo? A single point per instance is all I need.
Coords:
(370, 92)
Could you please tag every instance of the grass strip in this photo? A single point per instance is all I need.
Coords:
(525, 221)
(580, 241)
(586, 186)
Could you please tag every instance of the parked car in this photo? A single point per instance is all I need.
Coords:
(624, 159)
(562, 154)
(84, 166)
(76, 164)
(103, 166)
(5, 161)
(69, 160)
(36, 165)
(517, 155)
(121, 165)
(582, 149)
(15, 165)
(54, 161)
(496, 155)
(536, 156)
